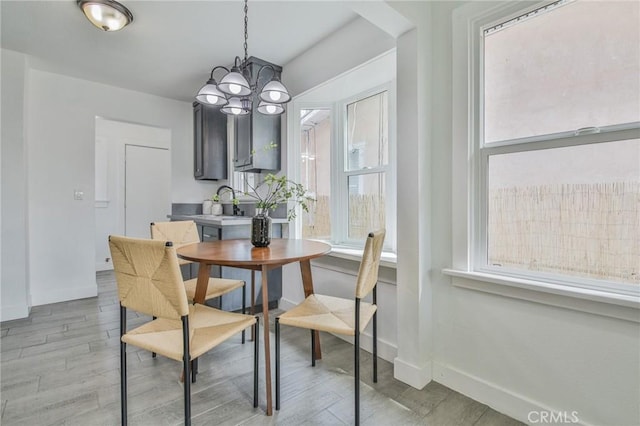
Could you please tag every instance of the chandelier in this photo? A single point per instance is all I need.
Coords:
(235, 93)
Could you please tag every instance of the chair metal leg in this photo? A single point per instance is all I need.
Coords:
(186, 366)
(277, 329)
(244, 304)
(123, 367)
(375, 339)
(194, 370)
(256, 356)
(313, 349)
(153, 354)
(356, 361)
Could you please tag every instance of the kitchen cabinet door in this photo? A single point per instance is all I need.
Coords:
(210, 152)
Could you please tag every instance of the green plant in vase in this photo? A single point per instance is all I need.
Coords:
(274, 190)
(269, 193)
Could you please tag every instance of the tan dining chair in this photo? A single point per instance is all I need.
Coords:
(341, 316)
(181, 233)
(149, 281)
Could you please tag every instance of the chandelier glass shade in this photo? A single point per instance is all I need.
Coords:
(237, 88)
(237, 106)
(108, 15)
(211, 95)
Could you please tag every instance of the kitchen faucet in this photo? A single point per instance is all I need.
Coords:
(236, 209)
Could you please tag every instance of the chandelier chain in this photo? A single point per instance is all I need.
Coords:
(246, 29)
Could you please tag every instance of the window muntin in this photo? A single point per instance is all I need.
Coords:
(552, 149)
(574, 66)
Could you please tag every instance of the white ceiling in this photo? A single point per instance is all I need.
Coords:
(171, 47)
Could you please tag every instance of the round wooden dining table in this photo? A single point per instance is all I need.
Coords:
(242, 254)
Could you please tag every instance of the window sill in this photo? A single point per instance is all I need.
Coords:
(388, 259)
(619, 306)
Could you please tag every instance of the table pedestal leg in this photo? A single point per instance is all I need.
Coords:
(253, 300)
(267, 348)
(203, 281)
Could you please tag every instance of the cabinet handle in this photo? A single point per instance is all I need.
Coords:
(207, 235)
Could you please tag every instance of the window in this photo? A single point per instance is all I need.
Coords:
(347, 175)
(554, 123)
(366, 161)
(315, 171)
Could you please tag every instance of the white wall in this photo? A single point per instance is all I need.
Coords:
(513, 354)
(347, 48)
(59, 136)
(13, 262)
(516, 353)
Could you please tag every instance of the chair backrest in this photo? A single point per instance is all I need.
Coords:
(368, 273)
(148, 277)
(179, 233)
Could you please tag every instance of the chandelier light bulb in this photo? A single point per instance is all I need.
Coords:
(234, 88)
(269, 108)
(212, 99)
(275, 96)
(275, 92)
(237, 106)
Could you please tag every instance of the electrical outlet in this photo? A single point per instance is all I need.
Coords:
(78, 195)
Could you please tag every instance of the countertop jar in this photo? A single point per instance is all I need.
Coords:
(206, 206)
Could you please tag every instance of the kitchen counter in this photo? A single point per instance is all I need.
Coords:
(224, 220)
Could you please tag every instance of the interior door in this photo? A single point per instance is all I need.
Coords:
(147, 188)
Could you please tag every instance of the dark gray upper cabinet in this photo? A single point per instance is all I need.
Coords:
(255, 131)
(210, 152)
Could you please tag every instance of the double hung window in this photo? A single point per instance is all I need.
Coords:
(345, 165)
(554, 143)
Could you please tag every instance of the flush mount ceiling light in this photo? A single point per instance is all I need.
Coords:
(108, 15)
(235, 92)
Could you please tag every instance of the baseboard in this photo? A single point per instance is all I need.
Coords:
(386, 350)
(12, 312)
(65, 294)
(413, 375)
(500, 399)
(286, 304)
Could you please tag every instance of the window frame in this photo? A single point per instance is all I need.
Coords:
(339, 172)
(470, 190)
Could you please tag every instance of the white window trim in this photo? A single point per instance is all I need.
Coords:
(467, 182)
(338, 176)
(293, 145)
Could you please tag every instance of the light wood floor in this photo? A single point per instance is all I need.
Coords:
(60, 366)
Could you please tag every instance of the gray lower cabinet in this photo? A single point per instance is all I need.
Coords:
(233, 301)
